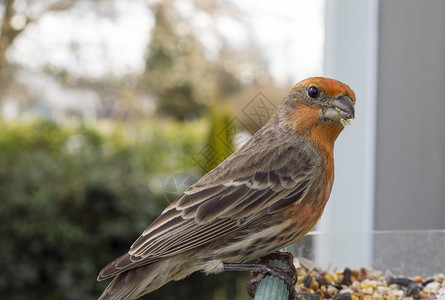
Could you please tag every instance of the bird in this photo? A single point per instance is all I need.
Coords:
(263, 197)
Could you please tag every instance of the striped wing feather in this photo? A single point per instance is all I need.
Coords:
(207, 212)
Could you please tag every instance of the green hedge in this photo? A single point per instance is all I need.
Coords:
(73, 198)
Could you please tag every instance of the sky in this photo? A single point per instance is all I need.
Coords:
(290, 34)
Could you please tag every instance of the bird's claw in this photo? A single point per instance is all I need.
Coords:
(288, 275)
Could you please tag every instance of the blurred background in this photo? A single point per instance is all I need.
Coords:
(110, 108)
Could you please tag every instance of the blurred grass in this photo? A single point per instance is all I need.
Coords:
(73, 198)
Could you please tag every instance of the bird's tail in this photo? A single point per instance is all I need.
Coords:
(142, 280)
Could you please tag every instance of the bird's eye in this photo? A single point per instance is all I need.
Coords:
(313, 92)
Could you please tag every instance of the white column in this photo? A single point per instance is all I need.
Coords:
(351, 57)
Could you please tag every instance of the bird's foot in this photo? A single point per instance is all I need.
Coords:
(263, 268)
(287, 257)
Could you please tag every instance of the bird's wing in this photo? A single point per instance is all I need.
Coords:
(206, 212)
(198, 217)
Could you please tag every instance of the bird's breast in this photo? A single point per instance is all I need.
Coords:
(306, 213)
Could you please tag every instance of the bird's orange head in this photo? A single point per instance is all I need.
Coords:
(319, 107)
(332, 87)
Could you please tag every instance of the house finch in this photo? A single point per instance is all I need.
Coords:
(263, 197)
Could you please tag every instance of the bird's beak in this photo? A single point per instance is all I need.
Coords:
(341, 110)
